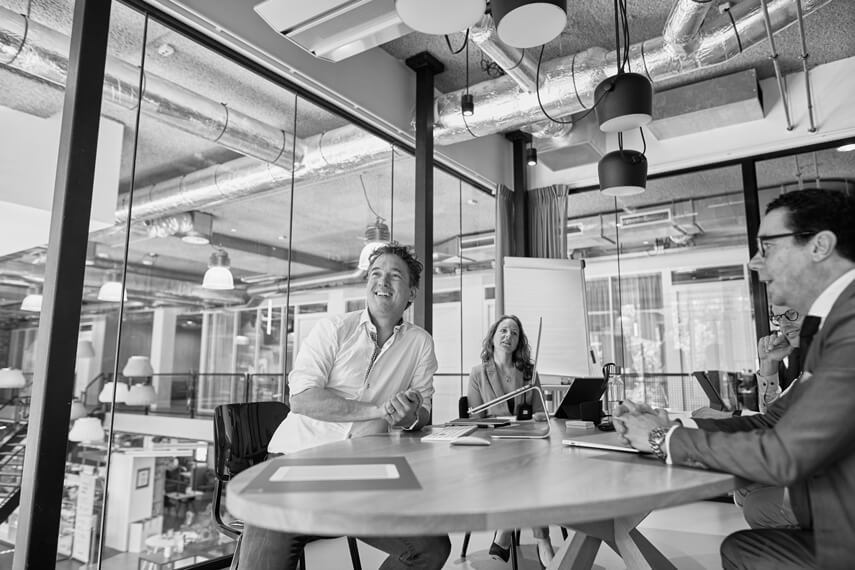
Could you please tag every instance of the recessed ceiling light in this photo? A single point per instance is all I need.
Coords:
(283, 237)
(472, 202)
(846, 147)
(233, 230)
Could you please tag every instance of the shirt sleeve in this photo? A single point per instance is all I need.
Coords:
(668, 438)
(424, 371)
(315, 358)
(768, 389)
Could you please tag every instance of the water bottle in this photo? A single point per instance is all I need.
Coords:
(615, 388)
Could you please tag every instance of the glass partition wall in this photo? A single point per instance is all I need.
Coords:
(229, 215)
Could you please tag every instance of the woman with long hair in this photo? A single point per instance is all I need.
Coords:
(505, 366)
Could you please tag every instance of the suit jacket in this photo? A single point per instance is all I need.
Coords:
(805, 440)
(788, 372)
(485, 385)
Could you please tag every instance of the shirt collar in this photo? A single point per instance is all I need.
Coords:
(822, 306)
(365, 320)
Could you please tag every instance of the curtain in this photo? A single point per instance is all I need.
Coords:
(505, 245)
(547, 222)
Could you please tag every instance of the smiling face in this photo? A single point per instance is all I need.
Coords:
(388, 290)
(786, 268)
(507, 336)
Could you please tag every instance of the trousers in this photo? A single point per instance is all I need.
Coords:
(769, 549)
(263, 549)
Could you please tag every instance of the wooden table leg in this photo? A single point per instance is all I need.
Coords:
(577, 553)
(624, 538)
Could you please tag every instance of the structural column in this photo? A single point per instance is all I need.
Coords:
(426, 67)
(53, 382)
(521, 240)
(752, 219)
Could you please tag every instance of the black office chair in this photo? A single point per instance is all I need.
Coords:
(241, 435)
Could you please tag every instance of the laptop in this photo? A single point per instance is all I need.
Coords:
(582, 390)
(709, 381)
(608, 440)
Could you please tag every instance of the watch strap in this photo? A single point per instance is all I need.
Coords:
(656, 439)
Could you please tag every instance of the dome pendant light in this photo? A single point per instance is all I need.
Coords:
(440, 16)
(624, 102)
(623, 173)
(376, 235)
(219, 276)
(529, 23)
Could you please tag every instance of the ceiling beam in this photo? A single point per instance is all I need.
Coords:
(248, 246)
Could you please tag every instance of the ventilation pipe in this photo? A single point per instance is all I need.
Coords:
(299, 283)
(333, 153)
(568, 83)
(684, 22)
(32, 48)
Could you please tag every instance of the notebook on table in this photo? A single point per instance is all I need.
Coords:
(608, 440)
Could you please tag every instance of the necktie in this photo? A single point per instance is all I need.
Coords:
(798, 492)
(809, 327)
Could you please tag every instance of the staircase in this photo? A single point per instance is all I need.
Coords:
(12, 439)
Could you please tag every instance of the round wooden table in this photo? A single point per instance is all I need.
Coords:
(509, 484)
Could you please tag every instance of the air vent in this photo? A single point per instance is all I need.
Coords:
(645, 218)
(334, 29)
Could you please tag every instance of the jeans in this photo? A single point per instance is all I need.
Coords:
(263, 549)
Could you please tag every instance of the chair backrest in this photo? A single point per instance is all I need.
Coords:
(241, 435)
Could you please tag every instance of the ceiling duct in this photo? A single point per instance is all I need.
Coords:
(34, 49)
(567, 83)
(335, 152)
(192, 227)
(300, 283)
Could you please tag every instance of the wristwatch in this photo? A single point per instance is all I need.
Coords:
(414, 424)
(656, 439)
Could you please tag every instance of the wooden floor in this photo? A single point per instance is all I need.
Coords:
(689, 536)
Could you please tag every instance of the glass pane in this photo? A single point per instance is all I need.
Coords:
(667, 288)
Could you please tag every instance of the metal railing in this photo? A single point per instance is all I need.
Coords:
(191, 394)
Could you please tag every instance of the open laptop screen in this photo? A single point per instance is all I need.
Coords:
(582, 390)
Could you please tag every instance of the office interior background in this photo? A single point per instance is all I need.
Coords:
(245, 153)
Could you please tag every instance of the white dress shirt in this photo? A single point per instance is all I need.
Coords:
(341, 355)
(820, 308)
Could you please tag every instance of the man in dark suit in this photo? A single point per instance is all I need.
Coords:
(806, 439)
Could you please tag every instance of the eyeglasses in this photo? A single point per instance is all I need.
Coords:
(762, 245)
(789, 314)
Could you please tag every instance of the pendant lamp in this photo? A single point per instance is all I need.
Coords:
(623, 173)
(529, 23)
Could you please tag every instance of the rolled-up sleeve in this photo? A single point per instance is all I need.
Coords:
(315, 358)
